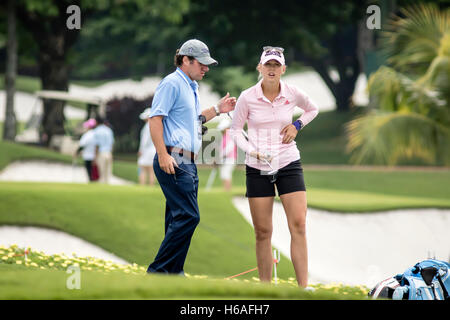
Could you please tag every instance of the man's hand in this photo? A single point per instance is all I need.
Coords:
(289, 132)
(227, 103)
(167, 163)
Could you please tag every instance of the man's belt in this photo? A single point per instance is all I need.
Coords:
(182, 152)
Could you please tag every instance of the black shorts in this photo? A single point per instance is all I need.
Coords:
(287, 179)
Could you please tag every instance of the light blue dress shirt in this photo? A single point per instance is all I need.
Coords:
(104, 138)
(176, 98)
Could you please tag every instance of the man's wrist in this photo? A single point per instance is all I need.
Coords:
(217, 110)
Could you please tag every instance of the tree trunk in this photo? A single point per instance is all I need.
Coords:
(10, 127)
(344, 50)
(54, 76)
(54, 40)
(344, 95)
(343, 56)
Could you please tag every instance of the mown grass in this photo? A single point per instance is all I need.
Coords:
(346, 190)
(366, 202)
(14, 258)
(20, 282)
(23, 83)
(129, 222)
(20, 128)
(323, 141)
(31, 84)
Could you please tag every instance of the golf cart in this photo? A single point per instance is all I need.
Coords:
(62, 143)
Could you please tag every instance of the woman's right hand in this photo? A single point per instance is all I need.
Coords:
(261, 156)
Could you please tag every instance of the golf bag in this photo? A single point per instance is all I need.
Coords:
(427, 280)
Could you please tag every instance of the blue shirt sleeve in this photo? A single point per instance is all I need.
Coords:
(96, 138)
(164, 99)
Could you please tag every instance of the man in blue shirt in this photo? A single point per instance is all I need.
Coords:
(176, 128)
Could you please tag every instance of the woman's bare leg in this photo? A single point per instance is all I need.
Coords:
(261, 210)
(294, 204)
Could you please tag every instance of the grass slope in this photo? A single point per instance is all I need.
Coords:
(19, 282)
(323, 141)
(129, 221)
(331, 189)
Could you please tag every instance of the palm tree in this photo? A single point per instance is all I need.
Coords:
(412, 95)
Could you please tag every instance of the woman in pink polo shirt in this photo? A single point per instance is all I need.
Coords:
(268, 110)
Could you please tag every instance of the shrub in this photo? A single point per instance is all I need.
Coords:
(123, 115)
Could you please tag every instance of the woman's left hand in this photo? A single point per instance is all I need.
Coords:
(289, 132)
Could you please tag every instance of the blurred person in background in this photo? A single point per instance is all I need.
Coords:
(87, 148)
(146, 152)
(104, 141)
(228, 154)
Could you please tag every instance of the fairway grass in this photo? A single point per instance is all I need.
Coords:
(342, 190)
(20, 282)
(360, 202)
(129, 222)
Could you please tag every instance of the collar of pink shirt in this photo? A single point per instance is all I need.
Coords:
(260, 95)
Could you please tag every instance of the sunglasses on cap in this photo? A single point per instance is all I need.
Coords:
(269, 48)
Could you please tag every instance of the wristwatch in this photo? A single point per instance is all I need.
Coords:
(216, 108)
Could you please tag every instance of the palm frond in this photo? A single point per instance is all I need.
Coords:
(386, 88)
(388, 137)
(438, 73)
(413, 41)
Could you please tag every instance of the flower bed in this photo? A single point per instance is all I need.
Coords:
(39, 260)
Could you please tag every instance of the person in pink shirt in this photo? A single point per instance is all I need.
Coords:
(228, 154)
(273, 159)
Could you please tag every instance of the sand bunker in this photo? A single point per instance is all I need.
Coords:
(53, 242)
(363, 248)
(44, 171)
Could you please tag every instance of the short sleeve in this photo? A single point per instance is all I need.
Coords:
(164, 99)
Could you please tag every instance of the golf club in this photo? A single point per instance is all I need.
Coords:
(189, 173)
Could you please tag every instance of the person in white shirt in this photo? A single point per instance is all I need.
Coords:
(87, 147)
(104, 141)
(146, 152)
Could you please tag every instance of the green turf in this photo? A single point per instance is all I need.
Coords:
(411, 183)
(23, 83)
(10, 152)
(412, 188)
(366, 202)
(19, 282)
(129, 221)
(20, 128)
(323, 140)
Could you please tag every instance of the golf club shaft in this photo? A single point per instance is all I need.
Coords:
(185, 171)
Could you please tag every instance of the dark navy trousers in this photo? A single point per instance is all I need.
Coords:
(182, 215)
